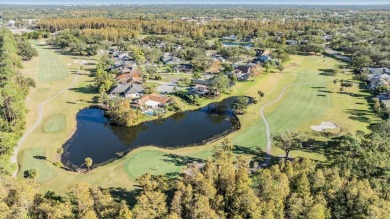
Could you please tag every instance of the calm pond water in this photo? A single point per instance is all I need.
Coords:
(97, 139)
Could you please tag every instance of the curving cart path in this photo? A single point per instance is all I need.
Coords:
(266, 123)
(14, 158)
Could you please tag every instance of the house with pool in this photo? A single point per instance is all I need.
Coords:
(151, 102)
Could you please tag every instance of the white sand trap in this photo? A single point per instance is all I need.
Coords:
(324, 126)
(69, 63)
(76, 61)
(84, 62)
(42, 43)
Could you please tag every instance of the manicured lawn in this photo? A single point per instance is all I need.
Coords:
(35, 159)
(303, 105)
(54, 123)
(54, 68)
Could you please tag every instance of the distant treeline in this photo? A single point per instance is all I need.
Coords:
(218, 28)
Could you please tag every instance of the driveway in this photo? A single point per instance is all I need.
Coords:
(166, 87)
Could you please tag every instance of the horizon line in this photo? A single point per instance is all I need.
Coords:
(119, 4)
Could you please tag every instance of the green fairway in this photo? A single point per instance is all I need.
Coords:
(36, 159)
(54, 123)
(162, 162)
(312, 99)
(136, 164)
(53, 68)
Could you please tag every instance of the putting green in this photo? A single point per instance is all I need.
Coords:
(54, 123)
(36, 159)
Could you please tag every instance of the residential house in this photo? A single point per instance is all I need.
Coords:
(134, 91)
(183, 68)
(160, 44)
(199, 90)
(125, 57)
(218, 58)
(236, 73)
(129, 76)
(117, 65)
(305, 41)
(247, 39)
(379, 71)
(243, 72)
(379, 80)
(386, 103)
(151, 101)
(127, 91)
(200, 82)
(262, 52)
(327, 37)
(291, 42)
(245, 68)
(264, 58)
(11, 23)
(170, 59)
(230, 38)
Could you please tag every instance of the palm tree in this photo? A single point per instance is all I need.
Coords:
(32, 174)
(88, 163)
(261, 94)
(60, 151)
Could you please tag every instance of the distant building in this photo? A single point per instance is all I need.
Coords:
(11, 23)
(230, 38)
(183, 68)
(291, 42)
(379, 71)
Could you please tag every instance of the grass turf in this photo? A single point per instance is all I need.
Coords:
(302, 106)
(54, 123)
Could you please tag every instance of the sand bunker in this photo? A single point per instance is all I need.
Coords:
(324, 126)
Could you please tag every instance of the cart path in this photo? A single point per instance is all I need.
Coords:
(266, 123)
(14, 158)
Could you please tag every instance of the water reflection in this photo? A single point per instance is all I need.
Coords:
(97, 139)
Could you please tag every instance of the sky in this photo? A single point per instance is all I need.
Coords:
(296, 2)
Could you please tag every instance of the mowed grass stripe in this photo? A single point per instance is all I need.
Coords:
(54, 69)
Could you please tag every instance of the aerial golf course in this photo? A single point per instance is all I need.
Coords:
(310, 97)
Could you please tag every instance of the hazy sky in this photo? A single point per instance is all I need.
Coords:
(318, 2)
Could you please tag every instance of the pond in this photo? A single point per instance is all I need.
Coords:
(248, 45)
(97, 139)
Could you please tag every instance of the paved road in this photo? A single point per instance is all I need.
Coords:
(14, 158)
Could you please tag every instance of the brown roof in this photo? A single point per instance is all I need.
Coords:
(155, 97)
(266, 52)
(124, 80)
(129, 74)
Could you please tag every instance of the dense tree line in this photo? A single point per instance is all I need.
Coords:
(14, 88)
(212, 29)
(355, 184)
